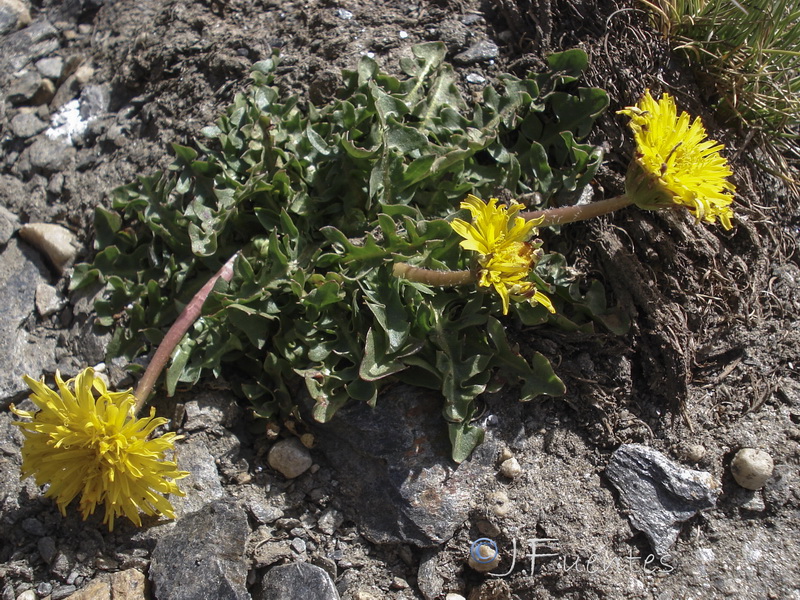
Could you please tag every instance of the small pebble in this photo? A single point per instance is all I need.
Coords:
(475, 78)
(48, 302)
(398, 583)
(329, 521)
(27, 595)
(454, 597)
(50, 67)
(63, 591)
(499, 503)
(47, 549)
(403, 35)
(298, 545)
(26, 125)
(289, 457)
(694, 453)
(55, 241)
(483, 557)
(484, 50)
(511, 468)
(751, 468)
(755, 503)
(487, 528)
(344, 14)
(33, 526)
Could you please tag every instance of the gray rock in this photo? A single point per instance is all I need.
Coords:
(21, 271)
(13, 15)
(33, 526)
(209, 410)
(394, 467)
(429, 582)
(26, 125)
(50, 67)
(9, 223)
(62, 565)
(481, 51)
(203, 556)
(329, 521)
(24, 88)
(49, 155)
(289, 457)
(203, 485)
(94, 101)
(62, 592)
(47, 549)
(264, 513)
(48, 300)
(298, 581)
(21, 47)
(57, 243)
(658, 493)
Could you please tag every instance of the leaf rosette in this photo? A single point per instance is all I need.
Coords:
(322, 201)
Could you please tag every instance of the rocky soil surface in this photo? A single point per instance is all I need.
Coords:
(621, 489)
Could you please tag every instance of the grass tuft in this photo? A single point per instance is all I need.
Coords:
(750, 49)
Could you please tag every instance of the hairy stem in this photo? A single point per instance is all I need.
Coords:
(179, 328)
(579, 212)
(431, 277)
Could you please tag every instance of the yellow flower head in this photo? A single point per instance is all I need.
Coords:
(675, 164)
(505, 259)
(86, 440)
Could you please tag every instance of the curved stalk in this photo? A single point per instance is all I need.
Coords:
(578, 212)
(179, 328)
(431, 277)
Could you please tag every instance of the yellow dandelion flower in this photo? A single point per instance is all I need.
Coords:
(505, 259)
(675, 164)
(85, 439)
(490, 225)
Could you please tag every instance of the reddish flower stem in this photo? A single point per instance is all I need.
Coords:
(552, 216)
(179, 328)
(578, 212)
(432, 277)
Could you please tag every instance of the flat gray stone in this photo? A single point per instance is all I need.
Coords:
(26, 125)
(49, 155)
(203, 557)
(479, 52)
(24, 88)
(394, 467)
(13, 14)
(203, 485)
(208, 411)
(297, 581)
(94, 101)
(9, 223)
(50, 67)
(658, 493)
(21, 353)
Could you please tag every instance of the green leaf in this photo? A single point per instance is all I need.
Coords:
(464, 438)
(538, 377)
(375, 364)
(573, 62)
